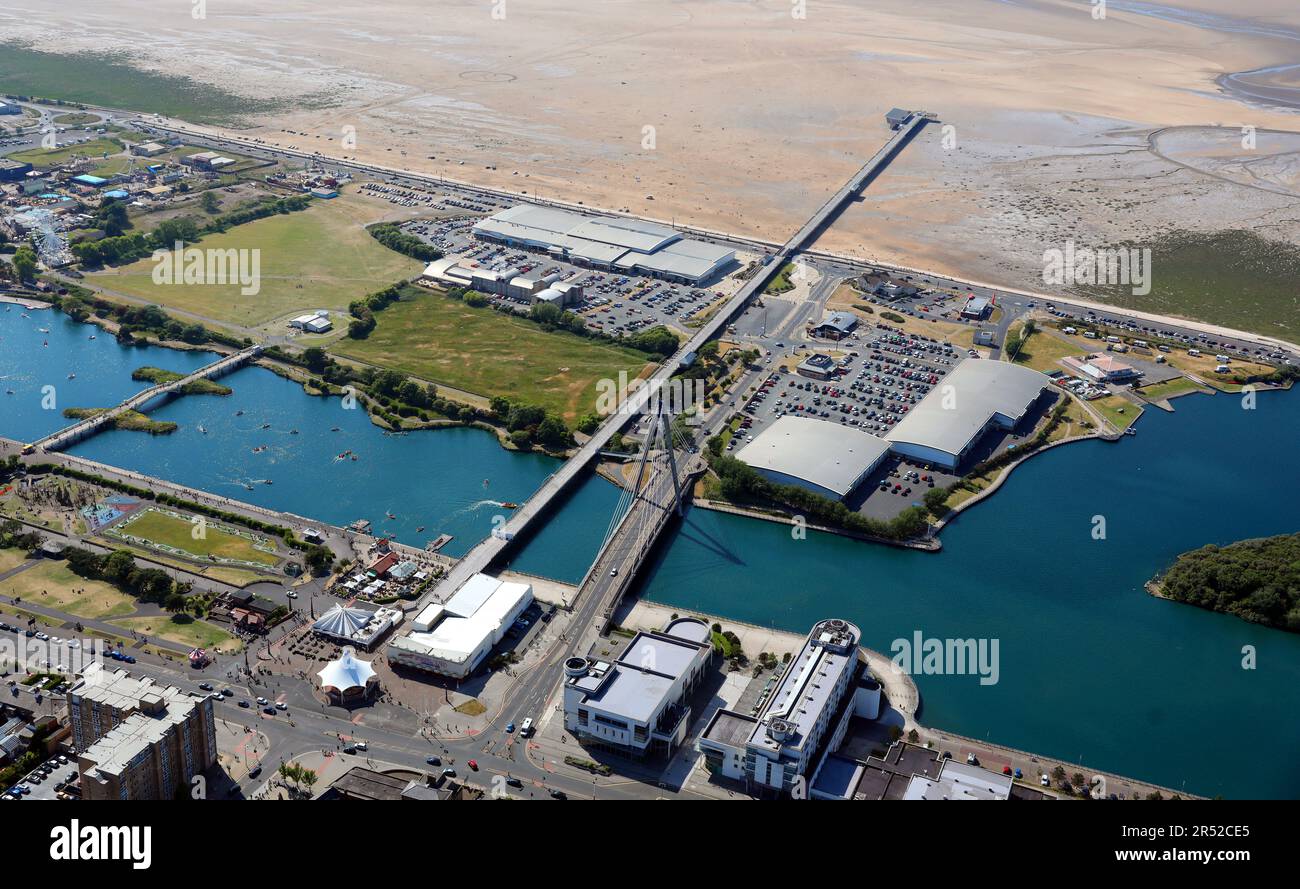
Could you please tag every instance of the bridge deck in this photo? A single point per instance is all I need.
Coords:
(78, 430)
(480, 557)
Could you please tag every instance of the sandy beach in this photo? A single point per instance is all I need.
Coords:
(737, 116)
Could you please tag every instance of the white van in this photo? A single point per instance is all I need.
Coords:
(1067, 330)
(1090, 334)
(1112, 339)
(526, 730)
(1222, 359)
(1221, 369)
(1195, 353)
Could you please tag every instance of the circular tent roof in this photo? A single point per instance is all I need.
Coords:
(346, 673)
(343, 622)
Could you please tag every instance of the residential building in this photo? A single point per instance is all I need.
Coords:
(136, 739)
(806, 715)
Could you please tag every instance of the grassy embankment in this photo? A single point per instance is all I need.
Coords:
(434, 337)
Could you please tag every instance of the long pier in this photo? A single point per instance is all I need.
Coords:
(491, 549)
(88, 426)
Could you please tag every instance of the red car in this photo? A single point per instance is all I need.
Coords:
(473, 764)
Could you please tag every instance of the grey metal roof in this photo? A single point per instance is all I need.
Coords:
(826, 454)
(841, 321)
(626, 243)
(958, 408)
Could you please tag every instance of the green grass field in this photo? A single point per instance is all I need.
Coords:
(48, 157)
(1176, 386)
(781, 282)
(185, 631)
(108, 80)
(438, 338)
(76, 119)
(1111, 407)
(161, 528)
(1044, 351)
(51, 584)
(11, 558)
(316, 258)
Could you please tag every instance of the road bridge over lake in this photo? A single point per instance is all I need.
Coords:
(493, 548)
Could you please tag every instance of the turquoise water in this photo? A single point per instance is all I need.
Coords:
(1092, 668)
(433, 479)
(566, 545)
(445, 481)
(102, 367)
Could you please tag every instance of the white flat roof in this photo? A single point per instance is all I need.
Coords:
(475, 613)
(826, 454)
(961, 404)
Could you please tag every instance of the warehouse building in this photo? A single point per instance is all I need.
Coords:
(824, 457)
(12, 170)
(640, 703)
(453, 638)
(606, 242)
(977, 396)
(316, 322)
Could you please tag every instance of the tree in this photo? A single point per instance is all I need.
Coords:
(113, 219)
(25, 264)
(209, 202)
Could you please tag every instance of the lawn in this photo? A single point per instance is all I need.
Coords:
(51, 584)
(11, 559)
(76, 119)
(1073, 423)
(183, 631)
(1043, 351)
(1117, 410)
(114, 166)
(1176, 386)
(318, 258)
(167, 530)
(434, 337)
(1203, 366)
(49, 157)
(781, 282)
